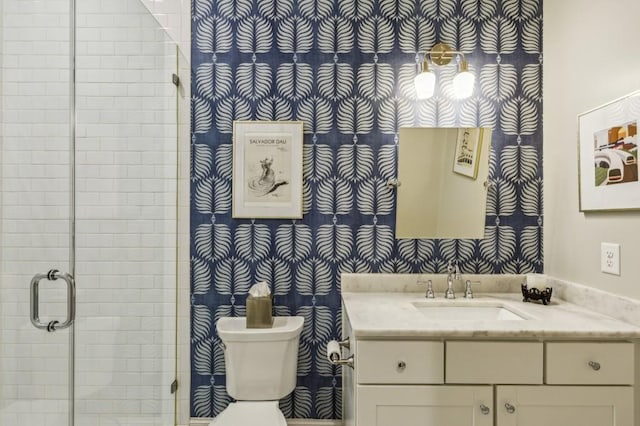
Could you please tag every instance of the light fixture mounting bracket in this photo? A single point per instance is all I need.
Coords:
(441, 54)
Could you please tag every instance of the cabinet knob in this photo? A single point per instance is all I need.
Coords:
(484, 409)
(401, 365)
(595, 365)
(510, 408)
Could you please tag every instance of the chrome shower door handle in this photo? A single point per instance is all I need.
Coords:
(51, 326)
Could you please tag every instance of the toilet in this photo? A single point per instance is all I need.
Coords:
(261, 365)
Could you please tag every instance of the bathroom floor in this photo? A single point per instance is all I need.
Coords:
(52, 413)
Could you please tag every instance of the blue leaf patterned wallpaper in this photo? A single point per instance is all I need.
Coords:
(345, 68)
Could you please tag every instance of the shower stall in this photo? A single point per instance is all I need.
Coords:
(88, 214)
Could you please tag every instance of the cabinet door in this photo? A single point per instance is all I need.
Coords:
(564, 406)
(424, 405)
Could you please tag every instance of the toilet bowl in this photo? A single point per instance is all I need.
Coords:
(251, 413)
(261, 366)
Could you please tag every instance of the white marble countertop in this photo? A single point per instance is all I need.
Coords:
(375, 314)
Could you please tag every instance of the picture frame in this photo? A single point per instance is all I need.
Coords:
(467, 151)
(267, 169)
(608, 156)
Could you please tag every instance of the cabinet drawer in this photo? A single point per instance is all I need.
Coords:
(380, 362)
(494, 362)
(590, 363)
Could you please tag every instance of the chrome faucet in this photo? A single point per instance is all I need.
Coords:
(468, 293)
(429, 293)
(452, 275)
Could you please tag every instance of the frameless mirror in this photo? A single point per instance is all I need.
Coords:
(442, 182)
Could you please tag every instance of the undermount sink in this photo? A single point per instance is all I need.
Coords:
(467, 311)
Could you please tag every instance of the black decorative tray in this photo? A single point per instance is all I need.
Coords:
(533, 294)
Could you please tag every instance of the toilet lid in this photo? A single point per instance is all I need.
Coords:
(250, 413)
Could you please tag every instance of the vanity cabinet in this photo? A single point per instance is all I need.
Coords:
(488, 383)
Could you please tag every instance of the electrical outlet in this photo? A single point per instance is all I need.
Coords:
(610, 258)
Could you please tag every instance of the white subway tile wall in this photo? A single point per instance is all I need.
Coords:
(35, 213)
(126, 185)
(175, 17)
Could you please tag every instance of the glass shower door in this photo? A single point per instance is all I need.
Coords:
(35, 225)
(116, 162)
(126, 216)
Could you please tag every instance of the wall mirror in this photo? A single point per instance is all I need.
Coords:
(442, 182)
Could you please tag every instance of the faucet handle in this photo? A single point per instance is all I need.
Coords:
(429, 293)
(468, 294)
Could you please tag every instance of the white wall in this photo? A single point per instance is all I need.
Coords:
(591, 57)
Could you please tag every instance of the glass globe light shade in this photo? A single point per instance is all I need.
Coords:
(425, 83)
(464, 82)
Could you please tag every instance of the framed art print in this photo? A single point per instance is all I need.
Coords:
(467, 153)
(267, 169)
(608, 156)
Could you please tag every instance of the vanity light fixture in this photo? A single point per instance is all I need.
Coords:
(441, 54)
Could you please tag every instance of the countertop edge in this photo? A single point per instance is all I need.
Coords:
(444, 334)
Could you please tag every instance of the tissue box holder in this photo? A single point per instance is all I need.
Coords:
(259, 312)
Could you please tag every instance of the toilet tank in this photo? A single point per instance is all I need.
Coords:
(261, 363)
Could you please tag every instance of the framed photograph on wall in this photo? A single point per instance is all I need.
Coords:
(608, 156)
(267, 169)
(467, 153)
